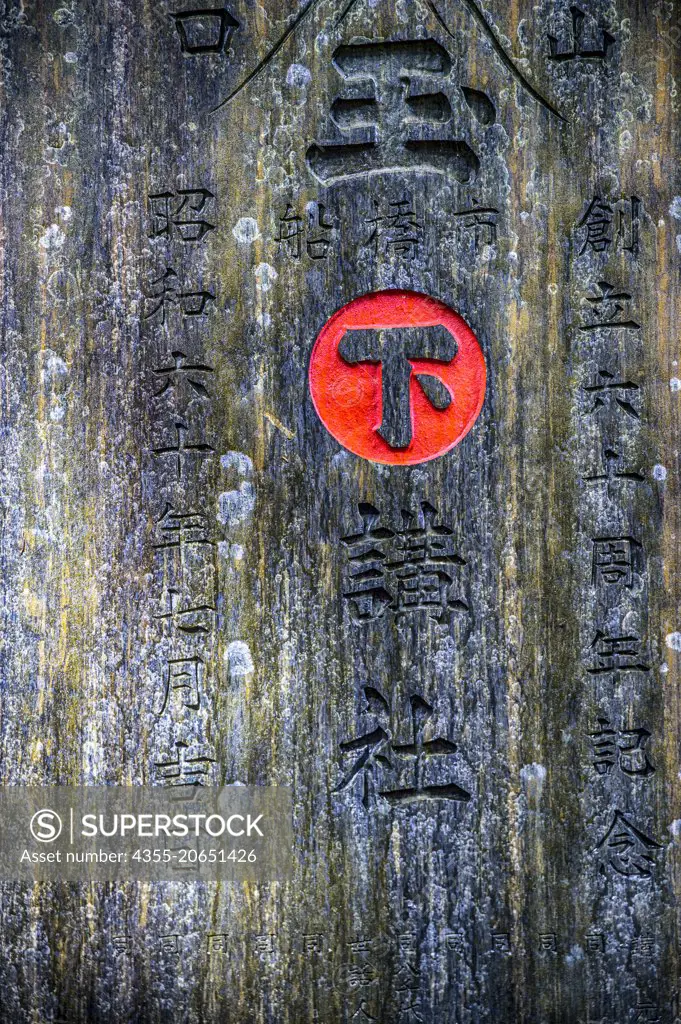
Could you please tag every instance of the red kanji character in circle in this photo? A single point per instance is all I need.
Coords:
(397, 377)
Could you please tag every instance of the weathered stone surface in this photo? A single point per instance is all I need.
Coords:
(508, 901)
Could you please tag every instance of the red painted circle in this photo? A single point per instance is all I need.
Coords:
(348, 398)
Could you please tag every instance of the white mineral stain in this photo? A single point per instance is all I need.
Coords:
(533, 772)
(228, 551)
(574, 956)
(65, 213)
(675, 828)
(236, 506)
(678, 242)
(238, 658)
(673, 641)
(53, 238)
(298, 75)
(265, 276)
(675, 208)
(675, 384)
(246, 230)
(533, 777)
(659, 472)
(54, 367)
(664, 669)
(71, 58)
(238, 462)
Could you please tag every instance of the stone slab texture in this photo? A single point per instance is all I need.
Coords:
(467, 669)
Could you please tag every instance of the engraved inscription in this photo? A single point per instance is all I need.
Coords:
(387, 125)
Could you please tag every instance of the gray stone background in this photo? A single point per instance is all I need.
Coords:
(155, 349)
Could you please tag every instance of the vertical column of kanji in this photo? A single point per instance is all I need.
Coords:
(390, 377)
(410, 154)
(624, 908)
(183, 312)
(183, 543)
